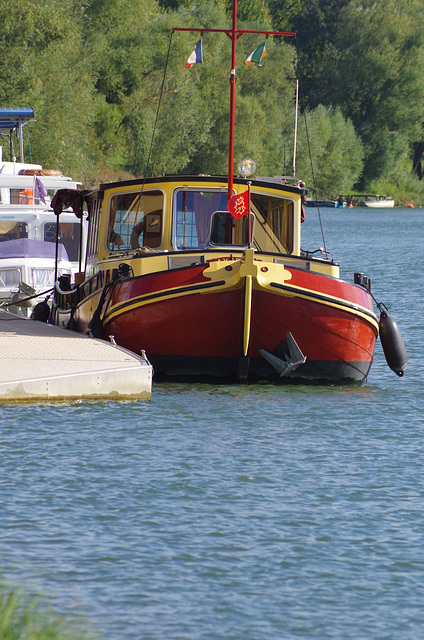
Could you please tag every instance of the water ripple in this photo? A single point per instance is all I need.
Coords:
(239, 512)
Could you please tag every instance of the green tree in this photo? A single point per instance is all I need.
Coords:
(122, 56)
(192, 125)
(43, 67)
(317, 24)
(284, 13)
(384, 93)
(330, 140)
(367, 58)
(252, 10)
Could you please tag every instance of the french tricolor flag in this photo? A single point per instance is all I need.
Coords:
(196, 55)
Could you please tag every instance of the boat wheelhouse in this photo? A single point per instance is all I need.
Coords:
(171, 271)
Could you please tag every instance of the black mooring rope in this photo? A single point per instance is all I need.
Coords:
(19, 302)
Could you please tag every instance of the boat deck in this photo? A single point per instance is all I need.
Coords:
(39, 362)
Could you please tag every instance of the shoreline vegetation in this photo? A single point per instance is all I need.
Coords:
(23, 618)
(101, 82)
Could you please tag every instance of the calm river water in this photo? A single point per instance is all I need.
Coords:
(236, 512)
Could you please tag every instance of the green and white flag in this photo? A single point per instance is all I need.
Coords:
(256, 56)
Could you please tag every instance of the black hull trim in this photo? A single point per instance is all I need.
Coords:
(319, 297)
(225, 371)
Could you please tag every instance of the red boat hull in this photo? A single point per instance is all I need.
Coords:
(190, 328)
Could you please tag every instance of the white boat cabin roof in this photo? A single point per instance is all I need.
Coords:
(12, 181)
(21, 176)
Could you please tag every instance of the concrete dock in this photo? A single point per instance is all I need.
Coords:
(40, 362)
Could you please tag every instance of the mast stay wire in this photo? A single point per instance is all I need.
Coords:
(157, 111)
(154, 129)
(309, 146)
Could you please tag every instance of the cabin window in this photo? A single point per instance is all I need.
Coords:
(25, 196)
(13, 230)
(192, 216)
(69, 236)
(201, 218)
(44, 277)
(135, 220)
(228, 230)
(17, 196)
(274, 223)
(94, 210)
(10, 277)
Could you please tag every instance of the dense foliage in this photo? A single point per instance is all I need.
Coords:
(96, 71)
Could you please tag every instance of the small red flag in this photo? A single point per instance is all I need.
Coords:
(239, 204)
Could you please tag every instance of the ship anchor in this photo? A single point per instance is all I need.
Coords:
(293, 359)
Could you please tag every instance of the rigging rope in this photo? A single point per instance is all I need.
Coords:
(157, 110)
(309, 145)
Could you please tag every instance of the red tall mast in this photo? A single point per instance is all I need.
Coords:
(234, 34)
(232, 102)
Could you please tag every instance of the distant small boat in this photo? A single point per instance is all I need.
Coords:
(325, 203)
(379, 204)
(367, 200)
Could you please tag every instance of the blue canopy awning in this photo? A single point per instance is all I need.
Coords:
(15, 118)
(11, 117)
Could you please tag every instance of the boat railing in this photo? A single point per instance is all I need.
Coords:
(288, 180)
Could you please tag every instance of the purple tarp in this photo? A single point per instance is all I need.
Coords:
(28, 248)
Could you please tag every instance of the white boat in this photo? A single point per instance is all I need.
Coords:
(28, 271)
(379, 204)
(30, 260)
